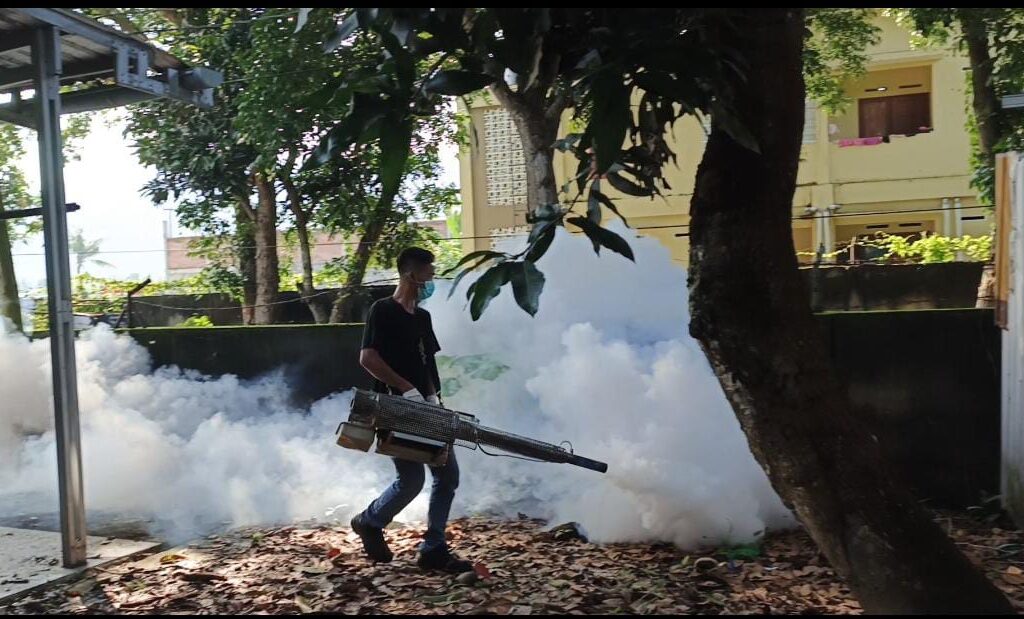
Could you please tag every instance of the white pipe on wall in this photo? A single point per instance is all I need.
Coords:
(947, 221)
(959, 224)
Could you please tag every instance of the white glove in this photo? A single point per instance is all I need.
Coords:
(414, 395)
(433, 399)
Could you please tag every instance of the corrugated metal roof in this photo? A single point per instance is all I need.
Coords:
(82, 58)
(131, 69)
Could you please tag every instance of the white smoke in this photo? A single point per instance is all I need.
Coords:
(606, 363)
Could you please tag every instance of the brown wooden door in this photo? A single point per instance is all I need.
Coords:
(908, 113)
(874, 117)
(901, 115)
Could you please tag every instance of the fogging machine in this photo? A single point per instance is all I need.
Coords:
(425, 433)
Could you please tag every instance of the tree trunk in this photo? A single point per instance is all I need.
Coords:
(245, 251)
(751, 315)
(10, 306)
(344, 309)
(318, 305)
(538, 136)
(536, 119)
(267, 274)
(984, 100)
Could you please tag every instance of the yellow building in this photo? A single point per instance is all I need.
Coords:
(851, 183)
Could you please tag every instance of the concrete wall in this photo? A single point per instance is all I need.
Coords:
(317, 360)
(832, 288)
(172, 310)
(896, 286)
(926, 382)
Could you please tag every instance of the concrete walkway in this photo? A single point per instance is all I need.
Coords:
(30, 559)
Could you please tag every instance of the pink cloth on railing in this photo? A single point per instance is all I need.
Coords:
(860, 142)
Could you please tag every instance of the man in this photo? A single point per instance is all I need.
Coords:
(398, 350)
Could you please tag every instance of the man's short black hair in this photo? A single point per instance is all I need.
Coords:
(414, 256)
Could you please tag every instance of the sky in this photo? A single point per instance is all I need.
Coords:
(106, 182)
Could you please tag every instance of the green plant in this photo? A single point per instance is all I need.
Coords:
(101, 295)
(197, 321)
(929, 249)
(932, 248)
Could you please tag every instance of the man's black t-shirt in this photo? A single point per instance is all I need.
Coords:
(406, 342)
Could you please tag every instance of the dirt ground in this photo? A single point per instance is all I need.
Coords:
(527, 571)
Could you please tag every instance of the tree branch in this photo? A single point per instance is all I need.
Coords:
(559, 102)
(245, 205)
(173, 16)
(505, 96)
(294, 198)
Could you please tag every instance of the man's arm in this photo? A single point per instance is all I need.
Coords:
(371, 360)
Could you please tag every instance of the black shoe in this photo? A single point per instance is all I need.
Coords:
(374, 544)
(442, 559)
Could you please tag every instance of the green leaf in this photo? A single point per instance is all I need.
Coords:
(601, 236)
(395, 138)
(473, 256)
(300, 21)
(544, 212)
(566, 143)
(328, 146)
(539, 246)
(344, 31)
(517, 48)
(660, 83)
(362, 123)
(370, 130)
(605, 200)
(527, 284)
(488, 287)
(593, 203)
(732, 125)
(610, 116)
(583, 172)
(457, 83)
(472, 267)
(367, 16)
(590, 61)
(625, 185)
(401, 28)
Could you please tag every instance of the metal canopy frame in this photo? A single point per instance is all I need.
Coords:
(44, 49)
(136, 71)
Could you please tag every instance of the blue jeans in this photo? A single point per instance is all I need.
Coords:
(408, 485)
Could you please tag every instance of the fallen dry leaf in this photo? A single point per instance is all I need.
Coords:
(318, 569)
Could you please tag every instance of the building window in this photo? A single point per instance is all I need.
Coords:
(896, 115)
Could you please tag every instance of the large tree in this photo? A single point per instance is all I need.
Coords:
(247, 154)
(13, 194)
(750, 312)
(751, 316)
(205, 165)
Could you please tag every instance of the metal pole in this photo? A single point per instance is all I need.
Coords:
(47, 61)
